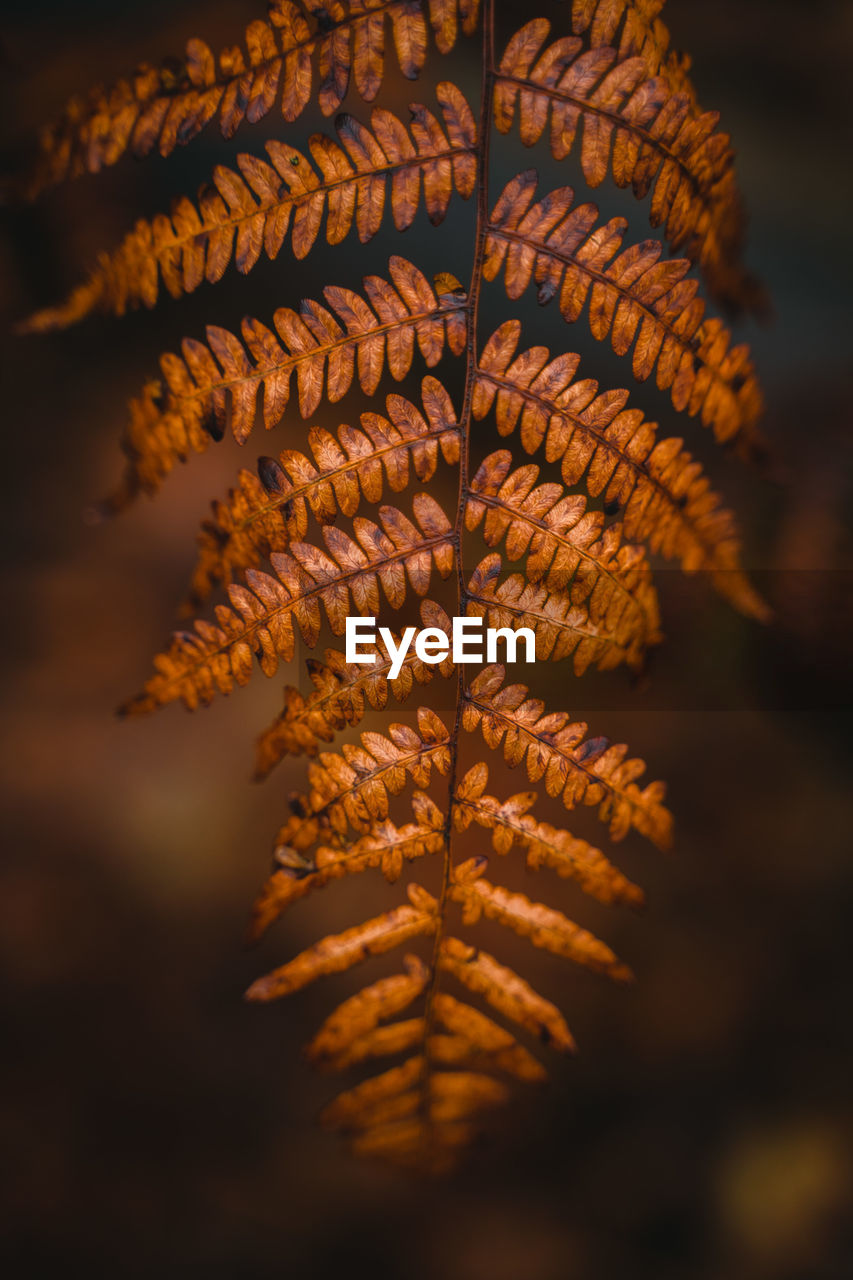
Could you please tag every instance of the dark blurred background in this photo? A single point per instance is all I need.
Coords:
(153, 1124)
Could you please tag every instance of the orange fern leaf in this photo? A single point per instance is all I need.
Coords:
(342, 693)
(567, 547)
(635, 299)
(249, 214)
(271, 508)
(211, 388)
(665, 497)
(308, 582)
(639, 130)
(296, 551)
(169, 105)
(578, 769)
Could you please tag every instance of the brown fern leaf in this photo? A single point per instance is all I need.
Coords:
(641, 34)
(169, 105)
(308, 582)
(545, 927)
(270, 508)
(467, 1037)
(561, 629)
(249, 214)
(342, 693)
(665, 497)
(412, 1113)
(362, 1013)
(405, 1112)
(352, 788)
(209, 389)
(578, 769)
(511, 824)
(505, 991)
(388, 1116)
(567, 547)
(635, 299)
(639, 131)
(403, 793)
(353, 1031)
(384, 845)
(340, 951)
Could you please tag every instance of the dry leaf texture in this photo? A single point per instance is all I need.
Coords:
(336, 522)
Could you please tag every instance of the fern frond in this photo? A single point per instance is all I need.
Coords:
(470, 1038)
(638, 130)
(245, 215)
(421, 1128)
(567, 547)
(474, 1039)
(404, 1112)
(166, 106)
(505, 991)
(342, 693)
(209, 389)
(270, 508)
(546, 928)
(635, 299)
(511, 824)
(362, 1013)
(352, 788)
(353, 1031)
(580, 770)
(308, 582)
(341, 951)
(586, 590)
(665, 497)
(641, 33)
(561, 629)
(384, 846)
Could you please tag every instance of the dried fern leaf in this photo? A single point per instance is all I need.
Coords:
(362, 1013)
(586, 590)
(414, 1117)
(350, 793)
(270, 507)
(637, 130)
(545, 927)
(561, 628)
(341, 951)
(351, 789)
(243, 215)
(567, 547)
(353, 1033)
(380, 768)
(635, 299)
(640, 32)
(505, 991)
(665, 497)
(418, 1113)
(511, 825)
(208, 390)
(162, 107)
(578, 769)
(444, 1050)
(474, 1036)
(351, 573)
(343, 691)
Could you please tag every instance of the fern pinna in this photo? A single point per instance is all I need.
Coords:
(300, 542)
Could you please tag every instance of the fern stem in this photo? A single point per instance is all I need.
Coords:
(472, 360)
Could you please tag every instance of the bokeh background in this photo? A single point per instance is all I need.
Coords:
(152, 1123)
